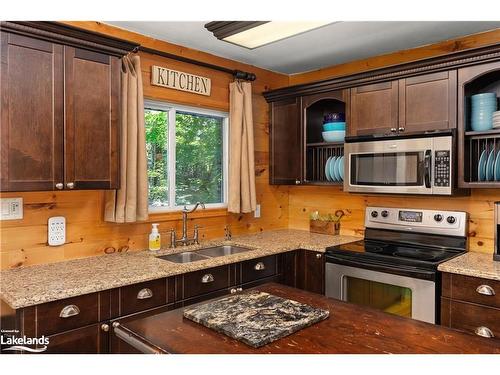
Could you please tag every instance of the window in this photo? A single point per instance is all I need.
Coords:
(187, 156)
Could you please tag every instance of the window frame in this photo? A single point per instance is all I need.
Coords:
(172, 109)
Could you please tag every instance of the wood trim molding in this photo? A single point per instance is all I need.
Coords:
(429, 65)
(68, 35)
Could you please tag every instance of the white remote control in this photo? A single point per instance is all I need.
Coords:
(57, 230)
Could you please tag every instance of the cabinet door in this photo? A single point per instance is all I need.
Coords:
(32, 120)
(311, 271)
(374, 109)
(428, 102)
(285, 143)
(92, 89)
(92, 339)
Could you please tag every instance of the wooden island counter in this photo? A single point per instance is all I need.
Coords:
(349, 329)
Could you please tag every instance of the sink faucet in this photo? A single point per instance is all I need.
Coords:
(185, 240)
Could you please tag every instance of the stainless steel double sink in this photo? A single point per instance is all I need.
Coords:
(204, 254)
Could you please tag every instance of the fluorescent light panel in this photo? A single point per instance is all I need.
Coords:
(271, 32)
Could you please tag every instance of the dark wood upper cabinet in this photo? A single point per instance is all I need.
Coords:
(92, 87)
(285, 143)
(428, 102)
(374, 109)
(31, 113)
(60, 110)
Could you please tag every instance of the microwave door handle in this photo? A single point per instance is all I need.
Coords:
(427, 167)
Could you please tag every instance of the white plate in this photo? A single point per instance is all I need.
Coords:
(327, 169)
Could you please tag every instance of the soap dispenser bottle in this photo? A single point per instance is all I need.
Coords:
(154, 238)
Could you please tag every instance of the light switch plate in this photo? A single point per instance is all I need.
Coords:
(12, 209)
(257, 211)
(57, 231)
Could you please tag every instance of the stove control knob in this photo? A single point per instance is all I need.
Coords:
(385, 213)
(374, 213)
(451, 219)
(438, 217)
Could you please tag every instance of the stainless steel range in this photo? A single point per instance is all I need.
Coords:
(394, 268)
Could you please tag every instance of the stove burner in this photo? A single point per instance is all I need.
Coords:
(426, 255)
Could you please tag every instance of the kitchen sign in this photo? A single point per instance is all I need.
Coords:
(173, 79)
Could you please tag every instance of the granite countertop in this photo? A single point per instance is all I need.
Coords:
(32, 285)
(473, 264)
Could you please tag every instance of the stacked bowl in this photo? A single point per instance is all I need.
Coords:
(496, 119)
(334, 127)
(483, 106)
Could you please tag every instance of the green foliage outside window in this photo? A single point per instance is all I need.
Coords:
(199, 158)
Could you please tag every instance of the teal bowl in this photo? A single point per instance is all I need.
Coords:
(333, 126)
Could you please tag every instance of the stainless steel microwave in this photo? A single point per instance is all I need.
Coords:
(418, 164)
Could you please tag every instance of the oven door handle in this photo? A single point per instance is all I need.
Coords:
(427, 168)
(401, 270)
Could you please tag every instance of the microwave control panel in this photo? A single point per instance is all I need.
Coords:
(442, 168)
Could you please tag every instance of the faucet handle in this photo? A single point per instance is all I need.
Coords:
(196, 234)
(173, 238)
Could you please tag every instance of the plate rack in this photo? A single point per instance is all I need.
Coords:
(316, 158)
(475, 144)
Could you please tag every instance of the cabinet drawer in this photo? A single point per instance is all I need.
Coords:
(205, 281)
(143, 296)
(87, 340)
(258, 268)
(470, 317)
(471, 289)
(67, 314)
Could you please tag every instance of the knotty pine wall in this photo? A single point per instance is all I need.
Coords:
(24, 242)
(303, 199)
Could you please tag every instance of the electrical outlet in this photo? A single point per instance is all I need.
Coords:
(257, 211)
(12, 209)
(57, 231)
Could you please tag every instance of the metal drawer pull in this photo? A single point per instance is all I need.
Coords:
(235, 290)
(144, 293)
(259, 266)
(105, 327)
(485, 290)
(208, 278)
(484, 332)
(318, 255)
(69, 311)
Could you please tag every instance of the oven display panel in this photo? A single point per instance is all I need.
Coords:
(410, 216)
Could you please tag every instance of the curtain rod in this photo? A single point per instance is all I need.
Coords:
(238, 74)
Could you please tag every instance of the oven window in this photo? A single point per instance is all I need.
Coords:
(388, 169)
(392, 299)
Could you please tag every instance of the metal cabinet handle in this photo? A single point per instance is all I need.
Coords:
(59, 186)
(70, 185)
(401, 129)
(144, 293)
(105, 327)
(259, 266)
(394, 130)
(239, 289)
(297, 182)
(318, 256)
(69, 311)
(207, 278)
(485, 290)
(233, 290)
(116, 324)
(484, 332)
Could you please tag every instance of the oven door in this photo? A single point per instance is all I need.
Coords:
(394, 294)
(390, 166)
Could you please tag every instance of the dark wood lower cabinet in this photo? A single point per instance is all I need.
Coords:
(304, 269)
(93, 339)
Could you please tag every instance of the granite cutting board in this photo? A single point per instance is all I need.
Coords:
(255, 318)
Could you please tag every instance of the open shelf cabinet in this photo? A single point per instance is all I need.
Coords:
(474, 80)
(317, 151)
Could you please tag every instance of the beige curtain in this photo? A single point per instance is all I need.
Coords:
(241, 194)
(130, 202)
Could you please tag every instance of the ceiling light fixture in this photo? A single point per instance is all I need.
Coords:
(253, 34)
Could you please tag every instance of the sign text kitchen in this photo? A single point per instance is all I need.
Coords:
(174, 79)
